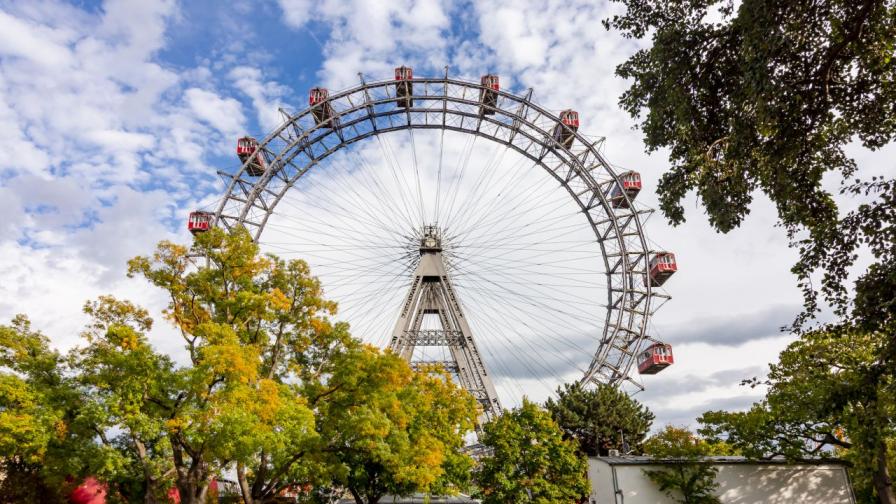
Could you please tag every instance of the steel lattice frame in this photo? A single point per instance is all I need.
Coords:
(299, 144)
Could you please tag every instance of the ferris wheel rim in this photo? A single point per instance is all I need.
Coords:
(630, 301)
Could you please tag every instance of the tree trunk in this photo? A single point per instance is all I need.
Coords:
(192, 491)
(260, 477)
(151, 495)
(882, 481)
(192, 474)
(152, 483)
(192, 485)
(244, 484)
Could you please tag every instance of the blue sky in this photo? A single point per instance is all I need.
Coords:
(115, 116)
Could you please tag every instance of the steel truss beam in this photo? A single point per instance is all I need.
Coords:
(430, 337)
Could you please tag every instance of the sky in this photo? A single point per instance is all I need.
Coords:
(115, 116)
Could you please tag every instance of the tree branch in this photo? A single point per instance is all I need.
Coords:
(243, 483)
(851, 36)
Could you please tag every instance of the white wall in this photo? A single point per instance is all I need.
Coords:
(754, 483)
(600, 475)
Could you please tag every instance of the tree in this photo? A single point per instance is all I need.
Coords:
(529, 460)
(126, 389)
(271, 390)
(830, 393)
(254, 327)
(385, 429)
(687, 478)
(32, 413)
(29, 371)
(765, 95)
(600, 419)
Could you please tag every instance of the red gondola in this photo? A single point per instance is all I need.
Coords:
(404, 88)
(199, 221)
(662, 266)
(488, 95)
(655, 358)
(564, 131)
(319, 100)
(630, 184)
(246, 148)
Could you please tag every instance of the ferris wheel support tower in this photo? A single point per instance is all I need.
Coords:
(431, 293)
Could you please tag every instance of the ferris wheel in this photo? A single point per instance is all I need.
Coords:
(461, 224)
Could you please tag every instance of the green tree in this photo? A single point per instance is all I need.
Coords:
(385, 429)
(764, 95)
(529, 460)
(600, 419)
(830, 393)
(254, 327)
(32, 413)
(271, 389)
(28, 373)
(125, 388)
(688, 478)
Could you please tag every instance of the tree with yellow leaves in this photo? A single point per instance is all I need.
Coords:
(270, 390)
(286, 396)
(255, 328)
(388, 430)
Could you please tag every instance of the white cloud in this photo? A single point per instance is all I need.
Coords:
(266, 96)
(35, 43)
(11, 209)
(373, 37)
(121, 141)
(51, 286)
(297, 12)
(223, 114)
(27, 156)
(107, 112)
(514, 35)
(102, 145)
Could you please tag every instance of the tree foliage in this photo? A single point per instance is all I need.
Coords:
(831, 393)
(764, 95)
(29, 373)
(387, 430)
(245, 320)
(32, 413)
(125, 386)
(600, 419)
(529, 460)
(269, 389)
(687, 478)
